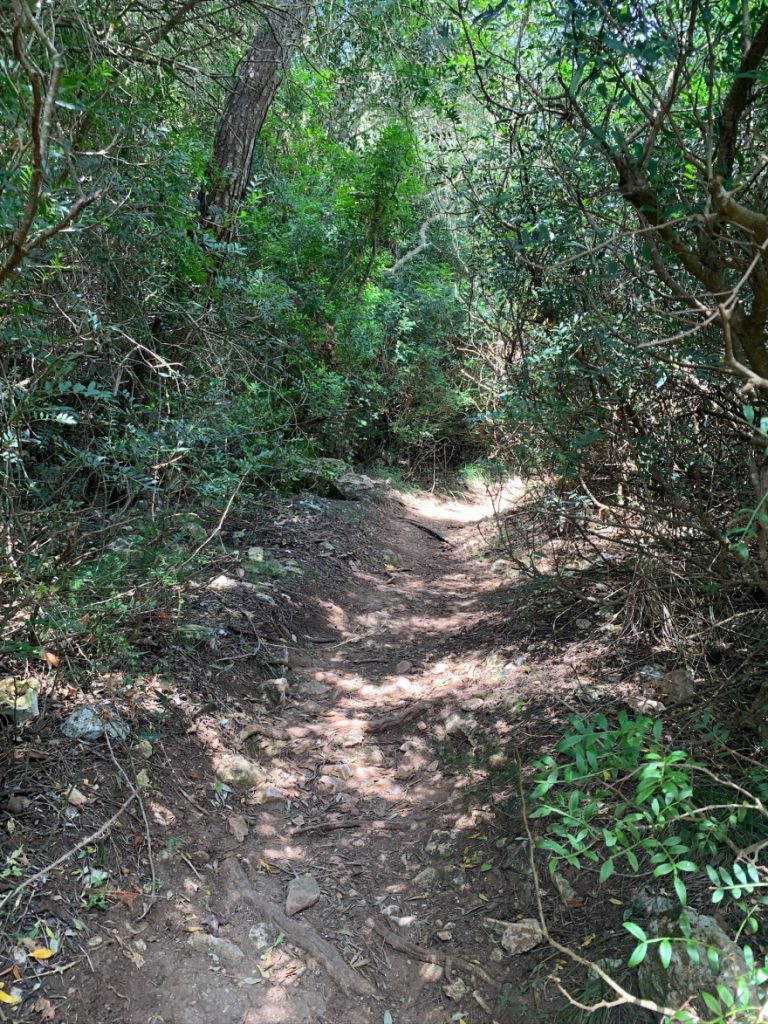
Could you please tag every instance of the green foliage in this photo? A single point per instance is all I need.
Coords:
(619, 797)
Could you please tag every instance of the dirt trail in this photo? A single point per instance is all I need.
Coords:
(375, 787)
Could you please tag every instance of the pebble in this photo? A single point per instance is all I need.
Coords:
(226, 952)
(303, 892)
(456, 990)
(520, 936)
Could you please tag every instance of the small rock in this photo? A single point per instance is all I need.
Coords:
(223, 582)
(256, 554)
(645, 705)
(403, 667)
(677, 687)
(266, 794)
(521, 936)
(259, 935)
(303, 892)
(199, 857)
(161, 814)
(237, 826)
(272, 692)
(442, 843)
(648, 903)
(427, 877)
(18, 699)
(472, 704)
(91, 723)
(647, 672)
(222, 950)
(518, 858)
(352, 486)
(18, 804)
(239, 771)
(589, 694)
(459, 724)
(683, 980)
(445, 935)
(456, 990)
(565, 889)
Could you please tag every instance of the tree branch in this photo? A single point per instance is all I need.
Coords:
(736, 102)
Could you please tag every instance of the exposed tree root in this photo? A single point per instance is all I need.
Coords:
(430, 956)
(374, 826)
(302, 935)
(303, 732)
(396, 717)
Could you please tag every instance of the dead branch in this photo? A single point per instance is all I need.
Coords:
(44, 95)
(92, 838)
(426, 529)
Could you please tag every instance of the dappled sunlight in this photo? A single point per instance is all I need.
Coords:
(482, 503)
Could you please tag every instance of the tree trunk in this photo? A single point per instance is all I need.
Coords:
(229, 171)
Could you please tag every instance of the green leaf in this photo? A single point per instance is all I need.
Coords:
(636, 931)
(687, 865)
(665, 953)
(679, 885)
(638, 955)
(693, 952)
(606, 870)
(711, 1003)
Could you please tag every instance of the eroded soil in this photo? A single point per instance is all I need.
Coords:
(415, 691)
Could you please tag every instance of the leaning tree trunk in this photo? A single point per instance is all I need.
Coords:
(229, 171)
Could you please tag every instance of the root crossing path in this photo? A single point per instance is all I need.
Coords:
(360, 872)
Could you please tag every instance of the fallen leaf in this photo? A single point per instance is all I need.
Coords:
(125, 897)
(54, 661)
(588, 941)
(41, 954)
(45, 1008)
(6, 998)
(75, 797)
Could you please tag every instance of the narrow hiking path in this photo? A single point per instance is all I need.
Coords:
(386, 784)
